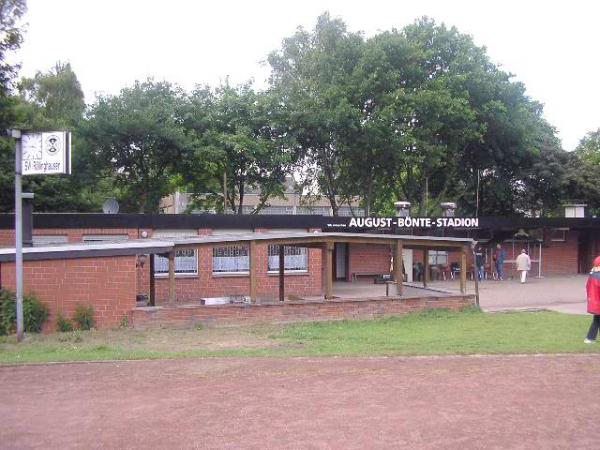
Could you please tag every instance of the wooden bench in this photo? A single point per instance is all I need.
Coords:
(379, 277)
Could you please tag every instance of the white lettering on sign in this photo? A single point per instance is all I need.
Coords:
(413, 222)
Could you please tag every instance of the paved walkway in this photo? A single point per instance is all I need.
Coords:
(493, 402)
(563, 294)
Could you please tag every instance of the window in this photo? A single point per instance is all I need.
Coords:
(438, 257)
(186, 260)
(558, 234)
(231, 259)
(186, 263)
(346, 211)
(104, 237)
(296, 258)
(315, 210)
(41, 240)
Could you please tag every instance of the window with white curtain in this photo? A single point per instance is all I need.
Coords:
(186, 260)
(231, 259)
(295, 258)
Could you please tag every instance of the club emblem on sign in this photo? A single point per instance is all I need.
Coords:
(53, 144)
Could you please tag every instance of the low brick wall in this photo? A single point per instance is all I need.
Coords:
(185, 316)
(106, 283)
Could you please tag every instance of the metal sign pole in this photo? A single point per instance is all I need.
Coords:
(18, 233)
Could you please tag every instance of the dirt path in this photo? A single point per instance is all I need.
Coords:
(352, 403)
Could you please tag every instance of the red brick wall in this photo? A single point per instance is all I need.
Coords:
(108, 284)
(369, 258)
(205, 284)
(338, 309)
(560, 257)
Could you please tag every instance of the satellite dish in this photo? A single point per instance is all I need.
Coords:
(110, 206)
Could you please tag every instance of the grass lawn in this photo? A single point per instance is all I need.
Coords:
(429, 333)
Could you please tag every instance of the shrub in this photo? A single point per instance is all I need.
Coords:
(35, 313)
(63, 324)
(84, 317)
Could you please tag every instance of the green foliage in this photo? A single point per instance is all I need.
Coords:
(35, 313)
(137, 138)
(63, 324)
(124, 323)
(84, 317)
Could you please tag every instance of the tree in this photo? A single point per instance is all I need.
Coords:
(312, 76)
(55, 97)
(50, 101)
(238, 133)
(136, 138)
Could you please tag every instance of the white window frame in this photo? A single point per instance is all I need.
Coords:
(563, 238)
(186, 260)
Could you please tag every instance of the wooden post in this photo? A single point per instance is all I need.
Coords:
(152, 282)
(328, 270)
(463, 270)
(398, 263)
(425, 267)
(253, 267)
(281, 275)
(172, 276)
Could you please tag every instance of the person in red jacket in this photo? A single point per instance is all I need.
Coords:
(593, 299)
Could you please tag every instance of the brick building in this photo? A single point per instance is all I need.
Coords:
(557, 247)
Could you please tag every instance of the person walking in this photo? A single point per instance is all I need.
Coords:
(593, 301)
(499, 257)
(523, 263)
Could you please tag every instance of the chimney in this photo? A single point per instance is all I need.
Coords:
(402, 209)
(448, 209)
(575, 210)
(27, 219)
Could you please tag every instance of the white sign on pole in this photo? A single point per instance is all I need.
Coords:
(46, 153)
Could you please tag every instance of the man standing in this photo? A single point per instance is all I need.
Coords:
(523, 263)
(499, 257)
(479, 262)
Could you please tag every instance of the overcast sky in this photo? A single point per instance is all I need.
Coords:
(551, 46)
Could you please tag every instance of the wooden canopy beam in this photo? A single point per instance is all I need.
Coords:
(328, 270)
(253, 271)
(463, 270)
(281, 273)
(172, 276)
(398, 272)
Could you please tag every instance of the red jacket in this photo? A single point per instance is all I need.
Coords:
(593, 293)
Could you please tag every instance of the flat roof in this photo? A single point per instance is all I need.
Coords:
(164, 245)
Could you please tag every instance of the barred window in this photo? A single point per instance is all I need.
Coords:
(232, 258)
(295, 258)
(186, 262)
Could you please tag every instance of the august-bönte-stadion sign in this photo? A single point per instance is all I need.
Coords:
(46, 153)
(383, 223)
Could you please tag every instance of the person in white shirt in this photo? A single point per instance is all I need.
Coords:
(523, 263)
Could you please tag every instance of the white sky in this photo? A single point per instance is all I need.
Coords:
(551, 46)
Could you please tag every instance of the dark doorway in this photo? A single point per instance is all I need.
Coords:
(340, 261)
(584, 256)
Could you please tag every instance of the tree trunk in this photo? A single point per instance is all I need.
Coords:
(424, 197)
